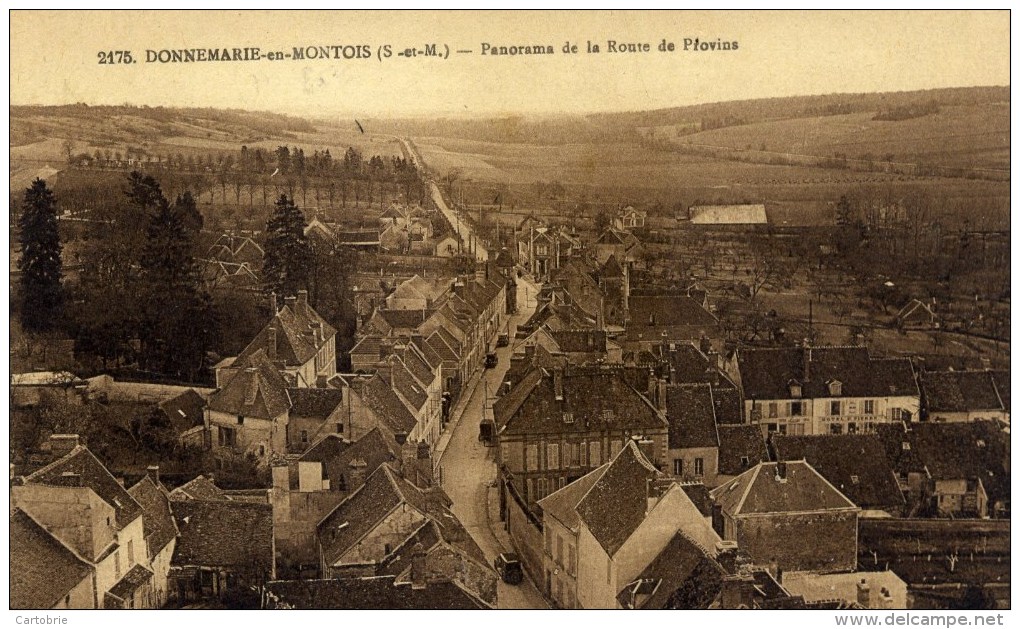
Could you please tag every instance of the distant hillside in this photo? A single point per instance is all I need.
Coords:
(108, 125)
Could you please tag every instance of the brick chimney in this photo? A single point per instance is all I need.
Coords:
(290, 303)
(409, 460)
(271, 344)
(272, 303)
(781, 470)
(61, 445)
(660, 395)
(806, 352)
(356, 474)
(558, 383)
(152, 472)
(738, 591)
(302, 301)
(418, 576)
(726, 555)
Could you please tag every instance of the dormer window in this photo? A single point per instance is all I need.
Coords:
(568, 418)
(835, 388)
(796, 390)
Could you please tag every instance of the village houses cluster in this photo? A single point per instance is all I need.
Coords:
(643, 463)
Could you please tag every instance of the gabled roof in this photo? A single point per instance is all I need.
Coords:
(404, 319)
(94, 475)
(380, 398)
(157, 520)
(597, 398)
(185, 410)
(442, 346)
(766, 373)
(691, 415)
(682, 576)
(295, 335)
(580, 341)
(381, 592)
(198, 488)
(42, 570)
(760, 490)
(963, 391)
(617, 502)
(336, 455)
(404, 383)
(224, 533)
(429, 354)
(562, 503)
(741, 447)
(612, 268)
(256, 390)
(314, 403)
(657, 311)
(728, 405)
(853, 464)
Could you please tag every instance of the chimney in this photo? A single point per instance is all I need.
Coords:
(705, 345)
(61, 445)
(271, 344)
(660, 394)
(356, 474)
(418, 577)
(272, 303)
(558, 383)
(409, 460)
(152, 472)
(289, 303)
(281, 477)
(806, 352)
(781, 470)
(864, 594)
(738, 591)
(302, 301)
(647, 448)
(726, 555)
(480, 273)
(400, 438)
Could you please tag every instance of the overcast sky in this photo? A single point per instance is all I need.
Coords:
(54, 59)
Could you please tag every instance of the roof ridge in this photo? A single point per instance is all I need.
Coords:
(74, 552)
(46, 468)
(747, 489)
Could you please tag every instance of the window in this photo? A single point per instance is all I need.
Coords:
(240, 420)
(795, 389)
(340, 428)
(262, 450)
(532, 451)
(583, 450)
(387, 549)
(227, 437)
(614, 447)
(834, 408)
(835, 387)
(559, 550)
(773, 409)
(131, 552)
(548, 541)
(678, 467)
(869, 407)
(745, 462)
(906, 445)
(542, 484)
(851, 428)
(596, 454)
(854, 479)
(304, 436)
(699, 467)
(552, 453)
(568, 418)
(529, 490)
(541, 250)
(116, 564)
(607, 415)
(571, 559)
(772, 428)
(836, 429)
(797, 409)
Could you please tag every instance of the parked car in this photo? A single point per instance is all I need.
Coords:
(491, 360)
(503, 340)
(508, 566)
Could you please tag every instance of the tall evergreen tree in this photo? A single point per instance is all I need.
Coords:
(288, 255)
(42, 295)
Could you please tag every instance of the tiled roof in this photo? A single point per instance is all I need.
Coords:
(616, 504)
(955, 451)
(157, 520)
(562, 503)
(728, 405)
(256, 390)
(445, 344)
(750, 214)
(369, 345)
(130, 583)
(682, 576)
(612, 268)
(224, 533)
(296, 342)
(42, 569)
(336, 455)
(404, 319)
(766, 374)
(853, 464)
(961, 391)
(741, 447)
(314, 403)
(94, 475)
(691, 415)
(357, 515)
(403, 382)
(368, 593)
(185, 410)
(657, 311)
(759, 490)
(417, 365)
(198, 488)
(597, 399)
(581, 341)
(433, 359)
(380, 398)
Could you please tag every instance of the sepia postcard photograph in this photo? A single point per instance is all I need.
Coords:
(504, 310)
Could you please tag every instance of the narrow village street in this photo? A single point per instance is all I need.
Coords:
(468, 467)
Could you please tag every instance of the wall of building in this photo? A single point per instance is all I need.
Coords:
(779, 538)
(559, 548)
(709, 461)
(526, 537)
(75, 515)
(139, 391)
(596, 574)
(393, 530)
(252, 434)
(161, 569)
(81, 596)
